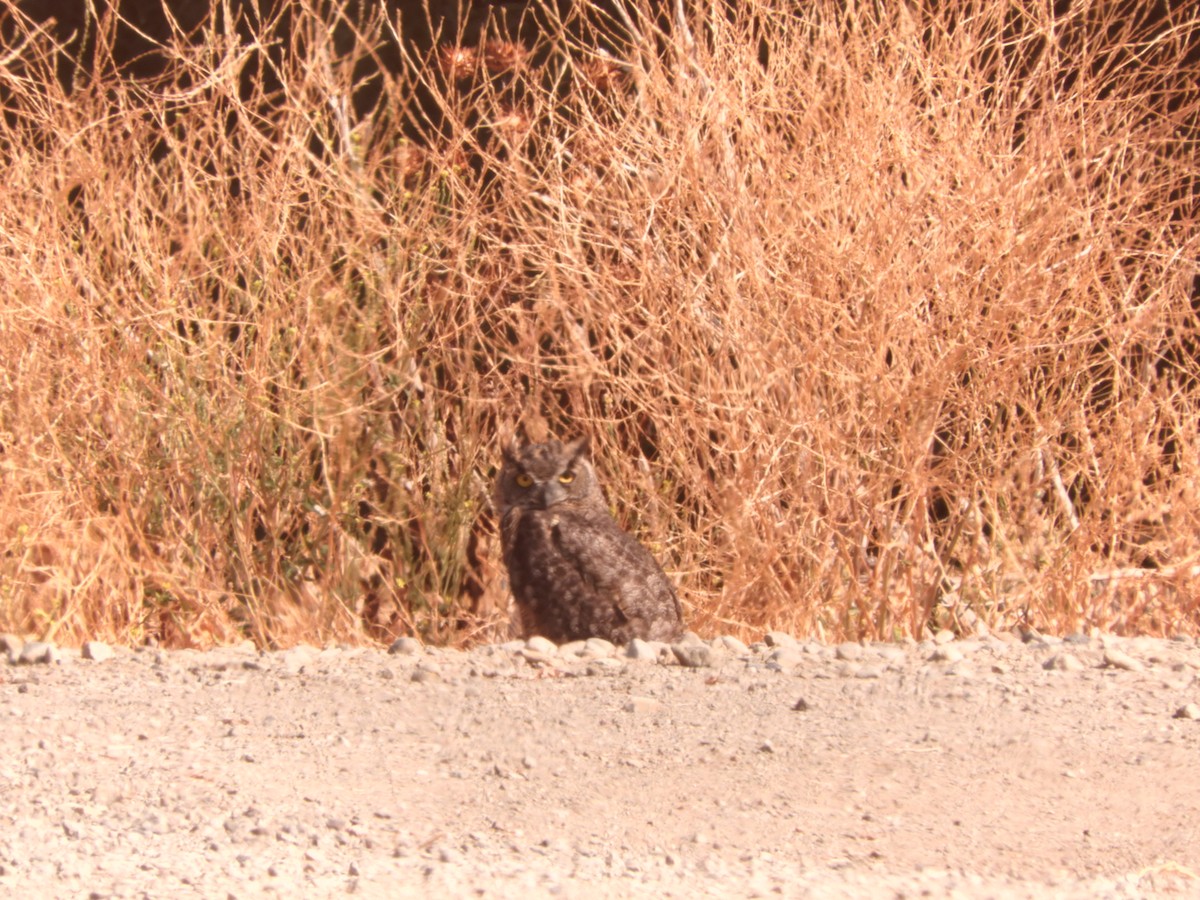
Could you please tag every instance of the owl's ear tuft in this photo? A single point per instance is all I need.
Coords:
(506, 435)
(580, 448)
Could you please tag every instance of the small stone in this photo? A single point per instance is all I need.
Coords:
(694, 656)
(572, 648)
(98, 651)
(1188, 711)
(946, 653)
(1117, 659)
(779, 639)
(945, 636)
(766, 747)
(892, 655)
(731, 644)
(849, 651)
(961, 669)
(405, 646)
(642, 705)
(423, 674)
(784, 659)
(801, 705)
(37, 652)
(598, 648)
(537, 657)
(641, 651)
(296, 658)
(544, 646)
(604, 665)
(1063, 662)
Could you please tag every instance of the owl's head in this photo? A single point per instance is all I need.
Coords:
(539, 476)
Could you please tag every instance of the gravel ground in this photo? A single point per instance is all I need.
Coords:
(988, 768)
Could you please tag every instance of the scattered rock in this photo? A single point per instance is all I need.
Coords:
(801, 705)
(849, 651)
(598, 648)
(604, 665)
(779, 639)
(732, 645)
(424, 673)
(693, 656)
(11, 645)
(946, 653)
(1188, 711)
(294, 659)
(98, 651)
(541, 645)
(405, 646)
(945, 636)
(1117, 659)
(642, 705)
(1063, 662)
(37, 653)
(537, 657)
(784, 659)
(642, 651)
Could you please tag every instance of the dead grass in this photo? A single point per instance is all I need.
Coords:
(879, 321)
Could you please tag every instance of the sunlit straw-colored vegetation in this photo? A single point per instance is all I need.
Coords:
(882, 318)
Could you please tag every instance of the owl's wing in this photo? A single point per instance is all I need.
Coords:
(620, 571)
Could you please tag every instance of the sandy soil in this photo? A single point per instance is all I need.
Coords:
(985, 768)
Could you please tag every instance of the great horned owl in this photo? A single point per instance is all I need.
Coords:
(574, 573)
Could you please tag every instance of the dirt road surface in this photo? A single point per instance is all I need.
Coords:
(984, 768)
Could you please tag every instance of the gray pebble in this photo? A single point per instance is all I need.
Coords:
(733, 645)
(694, 656)
(405, 646)
(891, 654)
(1188, 711)
(642, 705)
(97, 651)
(296, 658)
(604, 665)
(425, 673)
(598, 648)
(537, 657)
(849, 651)
(1063, 662)
(544, 646)
(946, 653)
(779, 639)
(1117, 659)
(641, 651)
(784, 659)
(38, 652)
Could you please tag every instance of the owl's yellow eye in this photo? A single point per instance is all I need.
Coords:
(524, 480)
(566, 477)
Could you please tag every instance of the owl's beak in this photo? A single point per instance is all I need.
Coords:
(552, 492)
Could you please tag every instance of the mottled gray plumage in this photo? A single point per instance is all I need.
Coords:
(574, 573)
